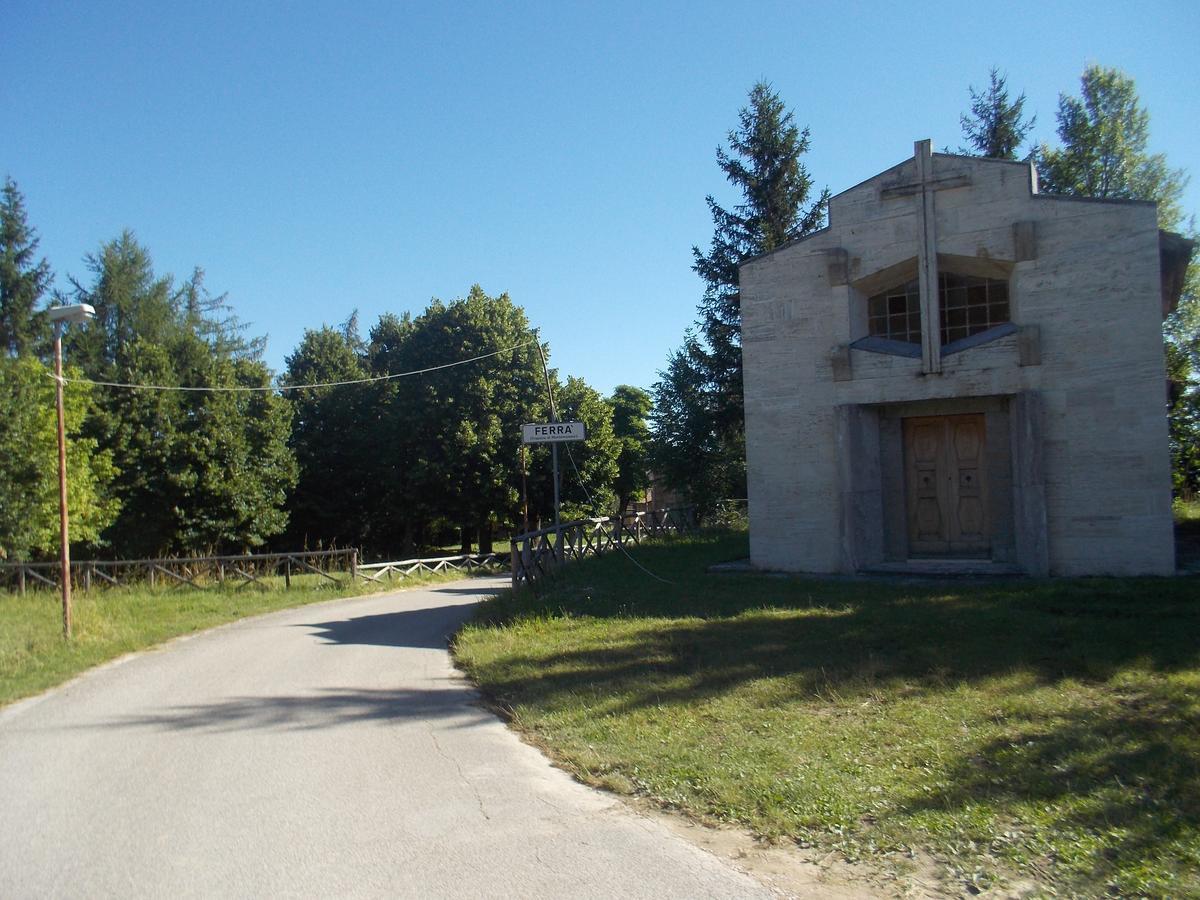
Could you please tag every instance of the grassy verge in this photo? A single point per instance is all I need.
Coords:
(109, 623)
(1041, 730)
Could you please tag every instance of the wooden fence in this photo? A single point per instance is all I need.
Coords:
(537, 554)
(406, 567)
(337, 566)
(533, 556)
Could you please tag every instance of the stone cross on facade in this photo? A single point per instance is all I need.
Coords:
(927, 268)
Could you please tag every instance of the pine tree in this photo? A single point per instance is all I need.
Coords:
(686, 451)
(22, 281)
(699, 425)
(197, 470)
(763, 163)
(995, 126)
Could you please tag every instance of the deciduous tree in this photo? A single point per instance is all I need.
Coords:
(591, 465)
(327, 503)
(631, 407)
(1105, 136)
(29, 463)
(464, 422)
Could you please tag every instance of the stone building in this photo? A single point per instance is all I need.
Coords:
(961, 374)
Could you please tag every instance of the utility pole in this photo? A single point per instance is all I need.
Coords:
(553, 453)
(60, 315)
(524, 494)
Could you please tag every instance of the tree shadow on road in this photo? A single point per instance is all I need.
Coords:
(428, 628)
(329, 708)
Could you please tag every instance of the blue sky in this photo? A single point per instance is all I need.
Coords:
(316, 158)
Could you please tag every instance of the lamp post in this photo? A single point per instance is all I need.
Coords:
(60, 316)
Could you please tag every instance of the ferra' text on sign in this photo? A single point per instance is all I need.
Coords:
(552, 432)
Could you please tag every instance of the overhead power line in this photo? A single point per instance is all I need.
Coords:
(290, 387)
(596, 510)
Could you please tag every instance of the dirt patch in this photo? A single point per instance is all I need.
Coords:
(804, 873)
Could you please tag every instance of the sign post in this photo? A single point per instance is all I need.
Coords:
(554, 433)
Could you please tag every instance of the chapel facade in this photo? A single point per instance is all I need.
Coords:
(961, 374)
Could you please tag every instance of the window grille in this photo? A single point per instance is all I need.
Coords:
(969, 305)
(896, 314)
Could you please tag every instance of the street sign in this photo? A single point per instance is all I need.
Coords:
(552, 432)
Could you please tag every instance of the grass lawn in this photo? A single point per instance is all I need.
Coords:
(109, 623)
(1040, 730)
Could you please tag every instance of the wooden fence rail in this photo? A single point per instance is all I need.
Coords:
(537, 554)
(337, 566)
(406, 567)
(533, 556)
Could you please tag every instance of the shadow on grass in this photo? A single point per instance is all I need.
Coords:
(1122, 780)
(1123, 772)
(711, 633)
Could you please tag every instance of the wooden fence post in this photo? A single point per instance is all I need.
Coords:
(353, 565)
(21, 580)
(287, 573)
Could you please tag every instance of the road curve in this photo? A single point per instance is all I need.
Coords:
(327, 750)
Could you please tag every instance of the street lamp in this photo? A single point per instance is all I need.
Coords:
(60, 316)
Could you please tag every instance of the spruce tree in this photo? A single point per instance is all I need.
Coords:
(996, 125)
(698, 424)
(197, 471)
(763, 163)
(22, 280)
(686, 451)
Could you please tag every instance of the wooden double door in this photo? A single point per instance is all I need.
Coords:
(946, 486)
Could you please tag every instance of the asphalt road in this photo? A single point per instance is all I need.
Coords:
(327, 751)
